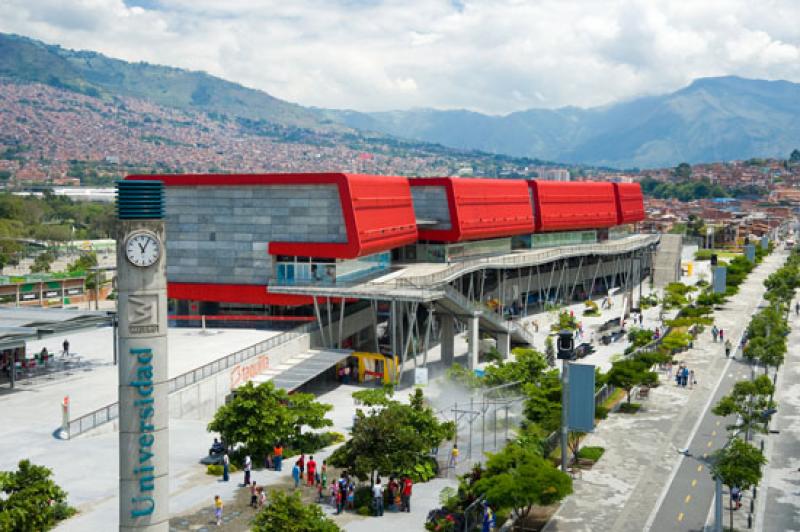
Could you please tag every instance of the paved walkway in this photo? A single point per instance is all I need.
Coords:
(778, 503)
(625, 487)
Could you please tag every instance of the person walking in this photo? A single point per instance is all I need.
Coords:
(65, 345)
(797, 309)
(302, 463)
(453, 456)
(218, 509)
(311, 469)
(488, 518)
(277, 456)
(226, 464)
(692, 382)
(377, 497)
(721, 335)
(714, 332)
(728, 347)
(406, 495)
(296, 474)
(248, 466)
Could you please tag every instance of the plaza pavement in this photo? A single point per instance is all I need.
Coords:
(624, 488)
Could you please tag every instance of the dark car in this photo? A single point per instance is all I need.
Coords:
(584, 349)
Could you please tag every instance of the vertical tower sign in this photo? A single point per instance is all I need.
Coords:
(143, 378)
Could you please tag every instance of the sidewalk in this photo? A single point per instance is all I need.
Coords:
(622, 490)
(778, 503)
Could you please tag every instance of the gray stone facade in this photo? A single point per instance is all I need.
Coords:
(430, 203)
(220, 234)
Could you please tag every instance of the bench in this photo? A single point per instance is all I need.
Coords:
(644, 392)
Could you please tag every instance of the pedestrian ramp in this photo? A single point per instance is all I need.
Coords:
(302, 368)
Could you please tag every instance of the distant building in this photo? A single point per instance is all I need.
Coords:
(554, 174)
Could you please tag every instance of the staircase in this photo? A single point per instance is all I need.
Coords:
(456, 303)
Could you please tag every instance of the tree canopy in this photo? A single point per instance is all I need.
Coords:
(747, 400)
(631, 372)
(259, 416)
(288, 513)
(32, 501)
(519, 477)
(392, 438)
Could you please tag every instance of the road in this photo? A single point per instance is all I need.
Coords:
(691, 492)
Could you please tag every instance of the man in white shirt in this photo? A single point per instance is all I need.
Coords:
(377, 497)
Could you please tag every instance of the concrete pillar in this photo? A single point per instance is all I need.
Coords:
(474, 342)
(143, 378)
(448, 339)
(504, 344)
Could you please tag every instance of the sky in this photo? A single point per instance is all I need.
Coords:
(491, 56)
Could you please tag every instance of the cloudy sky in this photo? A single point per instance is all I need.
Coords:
(494, 56)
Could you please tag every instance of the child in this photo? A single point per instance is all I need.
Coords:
(262, 497)
(351, 496)
(218, 509)
(253, 495)
(296, 473)
(320, 492)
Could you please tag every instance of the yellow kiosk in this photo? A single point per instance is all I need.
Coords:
(376, 366)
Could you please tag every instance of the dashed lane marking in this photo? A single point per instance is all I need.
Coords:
(687, 499)
(694, 481)
(680, 516)
(699, 468)
(710, 443)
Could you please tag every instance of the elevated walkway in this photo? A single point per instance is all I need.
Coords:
(667, 263)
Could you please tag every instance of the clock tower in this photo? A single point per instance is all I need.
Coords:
(143, 376)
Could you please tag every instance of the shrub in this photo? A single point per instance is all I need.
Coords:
(216, 469)
(362, 497)
(591, 453)
(629, 408)
(30, 500)
(600, 412)
(364, 511)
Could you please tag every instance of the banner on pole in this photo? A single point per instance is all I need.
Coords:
(581, 398)
(720, 279)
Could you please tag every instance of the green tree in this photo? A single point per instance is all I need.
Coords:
(739, 464)
(519, 477)
(32, 501)
(795, 156)
(288, 513)
(526, 365)
(747, 400)
(42, 262)
(629, 373)
(683, 171)
(550, 352)
(390, 438)
(258, 416)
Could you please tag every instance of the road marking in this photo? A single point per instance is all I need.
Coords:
(699, 468)
(713, 432)
(718, 423)
(680, 516)
(694, 481)
(705, 455)
(710, 443)
(687, 499)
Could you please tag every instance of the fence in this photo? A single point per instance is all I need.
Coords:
(110, 412)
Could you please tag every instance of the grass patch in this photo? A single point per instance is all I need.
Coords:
(629, 408)
(614, 398)
(591, 453)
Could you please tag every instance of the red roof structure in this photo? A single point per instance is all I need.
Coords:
(481, 208)
(573, 205)
(378, 210)
(630, 203)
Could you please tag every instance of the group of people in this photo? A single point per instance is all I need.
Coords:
(308, 468)
(719, 334)
(399, 493)
(683, 376)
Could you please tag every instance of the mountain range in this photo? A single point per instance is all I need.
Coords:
(712, 119)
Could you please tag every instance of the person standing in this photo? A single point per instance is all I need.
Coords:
(692, 382)
(728, 347)
(714, 332)
(301, 462)
(406, 494)
(65, 345)
(248, 465)
(277, 456)
(296, 474)
(226, 463)
(218, 509)
(488, 518)
(797, 309)
(721, 335)
(312, 471)
(377, 497)
(453, 456)
(253, 495)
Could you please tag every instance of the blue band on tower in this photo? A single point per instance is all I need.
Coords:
(140, 200)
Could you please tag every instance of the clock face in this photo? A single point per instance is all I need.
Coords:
(143, 249)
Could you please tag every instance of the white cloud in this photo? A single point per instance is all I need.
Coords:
(490, 55)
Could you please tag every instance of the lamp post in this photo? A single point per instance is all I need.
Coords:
(566, 352)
